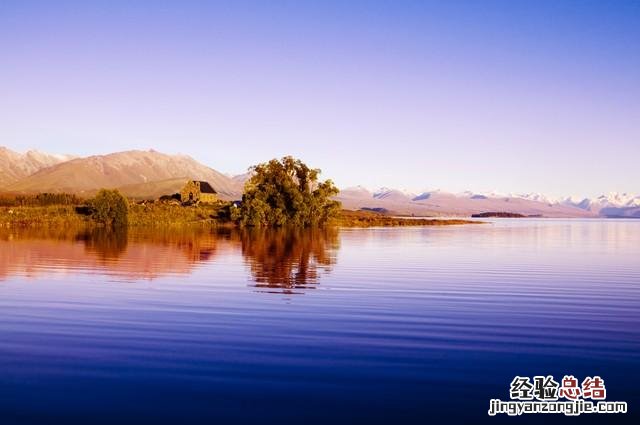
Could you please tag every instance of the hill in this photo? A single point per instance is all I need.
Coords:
(145, 173)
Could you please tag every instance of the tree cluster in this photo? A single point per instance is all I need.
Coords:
(287, 192)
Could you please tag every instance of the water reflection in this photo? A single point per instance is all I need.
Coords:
(108, 244)
(286, 260)
(461, 308)
(278, 260)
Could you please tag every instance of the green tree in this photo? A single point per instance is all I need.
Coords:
(110, 208)
(287, 192)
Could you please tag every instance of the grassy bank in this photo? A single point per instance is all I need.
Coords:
(41, 216)
(169, 215)
(140, 215)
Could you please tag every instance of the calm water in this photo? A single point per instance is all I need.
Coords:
(352, 326)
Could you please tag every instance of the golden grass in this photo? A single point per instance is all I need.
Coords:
(166, 215)
(51, 216)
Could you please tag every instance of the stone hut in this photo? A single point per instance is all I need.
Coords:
(198, 191)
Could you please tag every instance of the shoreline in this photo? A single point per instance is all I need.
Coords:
(171, 216)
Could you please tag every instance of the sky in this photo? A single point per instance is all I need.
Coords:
(508, 96)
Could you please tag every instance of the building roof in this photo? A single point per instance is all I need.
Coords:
(205, 187)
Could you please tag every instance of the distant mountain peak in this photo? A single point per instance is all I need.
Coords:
(619, 199)
(15, 165)
(397, 194)
(438, 202)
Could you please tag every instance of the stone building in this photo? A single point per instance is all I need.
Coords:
(198, 191)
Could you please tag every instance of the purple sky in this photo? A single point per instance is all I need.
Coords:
(510, 96)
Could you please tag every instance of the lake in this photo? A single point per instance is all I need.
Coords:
(383, 325)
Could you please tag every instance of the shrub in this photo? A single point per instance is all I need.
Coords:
(110, 208)
(170, 198)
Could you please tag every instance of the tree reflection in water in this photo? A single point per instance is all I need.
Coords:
(286, 260)
(107, 243)
(279, 260)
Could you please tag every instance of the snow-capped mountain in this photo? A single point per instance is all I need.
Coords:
(393, 194)
(538, 197)
(616, 199)
(613, 199)
(441, 203)
(438, 202)
(613, 204)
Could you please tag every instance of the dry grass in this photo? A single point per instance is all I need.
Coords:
(49, 216)
(165, 215)
(140, 215)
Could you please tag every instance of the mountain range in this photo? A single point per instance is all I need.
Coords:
(150, 174)
(136, 173)
(437, 202)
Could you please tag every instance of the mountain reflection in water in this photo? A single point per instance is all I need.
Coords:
(279, 260)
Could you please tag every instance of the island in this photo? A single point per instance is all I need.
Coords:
(498, 214)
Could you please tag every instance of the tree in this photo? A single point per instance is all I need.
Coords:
(287, 192)
(110, 208)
